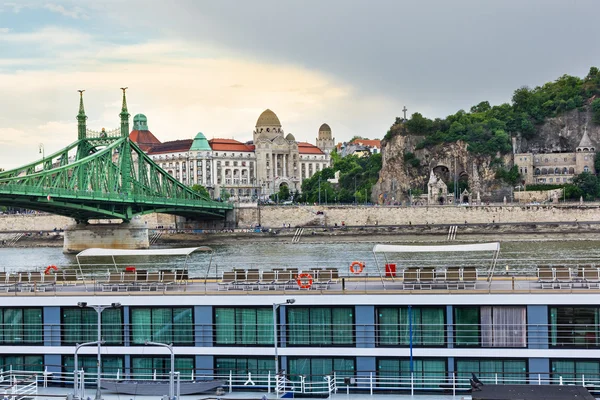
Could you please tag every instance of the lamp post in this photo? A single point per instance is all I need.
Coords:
(172, 374)
(99, 309)
(275, 340)
(76, 384)
(42, 151)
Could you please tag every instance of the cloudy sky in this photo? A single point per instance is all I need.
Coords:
(213, 66)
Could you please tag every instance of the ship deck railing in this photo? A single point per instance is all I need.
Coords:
(22, 383)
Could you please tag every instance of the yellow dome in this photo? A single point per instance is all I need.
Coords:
(268, 118)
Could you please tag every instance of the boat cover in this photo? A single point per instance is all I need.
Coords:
(185, 251)
(388, 248)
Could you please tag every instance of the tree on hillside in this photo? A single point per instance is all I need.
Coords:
(596, 111)
(588, 183)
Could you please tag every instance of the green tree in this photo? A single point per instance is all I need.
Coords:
(418, 124)
(588, 184)
(284, 193)
(596, 111)
(201, 190)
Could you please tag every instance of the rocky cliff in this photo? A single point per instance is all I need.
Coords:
(407, 170)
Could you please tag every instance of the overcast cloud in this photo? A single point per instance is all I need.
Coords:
(213, 66)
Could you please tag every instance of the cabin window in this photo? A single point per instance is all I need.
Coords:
(314, 326)
(111, 365)
(488, 326)
(244, 366)
(243, 326)
(315, 368)
(393, 326)
(573, 370)
(427, 372)
(80, 325)
(32, 363)
(512, 372)
(162, 324)
(574, 326)
(21, 326)
(145, 367)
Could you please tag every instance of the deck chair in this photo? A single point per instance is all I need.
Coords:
(453, 278)
(591, 277)
(546, 277)
(267, 280)
(252, 279)
(563, 277)
(411, 278)
(469, 277)
(426, 278)
(168, 278)
(227, 281)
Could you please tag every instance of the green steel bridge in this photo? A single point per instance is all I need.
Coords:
(103, 175)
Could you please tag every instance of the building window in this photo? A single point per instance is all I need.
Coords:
(244, 366)
(574, 326)
(80, 325)
(111, 365)
(487, 326)
(314, 326)
(428, 326)
(586, 169)
(512, 372)
(21, 326)
(162, 324)
(243, 326)
(145, 367)
(427, 372)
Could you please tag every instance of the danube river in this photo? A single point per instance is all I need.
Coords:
(518, 255)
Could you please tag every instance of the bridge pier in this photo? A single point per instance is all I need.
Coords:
(132, 235)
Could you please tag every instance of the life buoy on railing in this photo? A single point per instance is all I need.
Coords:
(130, 269)
(50, 268)
(357, 267)
(304, 280)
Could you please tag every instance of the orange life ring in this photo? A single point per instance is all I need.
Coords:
(50, 268)
(359, 270)
(304, 280)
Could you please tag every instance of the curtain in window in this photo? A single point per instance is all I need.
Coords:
(225, 325)
(466, 326)
(509, 327)
(387, 326)
(431, 326)
(141, 328)
(264, 326)
(395, 372)
(553, 326)
(314, 369)
(506, 371)
(298, 323)
(162, 329)
(343, 332)
(183, 323)
(320, 326)
(246, 325)
(110, 366)
(141, 367)
(32, 323)
(13, 331)
(112, 326)
(33, 363)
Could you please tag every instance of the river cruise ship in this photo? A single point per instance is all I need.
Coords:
(414, 319)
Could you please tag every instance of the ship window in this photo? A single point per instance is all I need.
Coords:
(430, 372)
(490, 326)
(111, 365)
(574, 369)
(427, 326)
(21, 326)
(243, 326)
(316, 368)
(162, 324)
(243, 366)
(320, 326)
(513, 372)
(79, 325)
(32, 363)
(145, 367)
(574, 326)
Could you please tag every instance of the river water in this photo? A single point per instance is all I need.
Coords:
(517, 254)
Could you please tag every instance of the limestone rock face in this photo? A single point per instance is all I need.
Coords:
(561, 133)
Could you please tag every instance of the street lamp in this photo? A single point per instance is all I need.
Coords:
(43, 153)
(99, 309)
(275, 306)
(172, 374)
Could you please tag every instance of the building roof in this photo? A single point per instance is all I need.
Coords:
(229, 145)
(585, 140)
(289, 136)
(144, 139)
(200, 143)
(307, 148)
(268, 118)
(171, 147)
(368, 142)
(325, 127)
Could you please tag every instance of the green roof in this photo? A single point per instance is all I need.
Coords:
(200, 143)
(140, 122)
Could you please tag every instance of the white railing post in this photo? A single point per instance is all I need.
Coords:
(412, 386)
(230, 382)
(582, 380)
(560, 381)
(453, 383)
(269, 382)
(371, 383)
(539, 379)
(496, 377)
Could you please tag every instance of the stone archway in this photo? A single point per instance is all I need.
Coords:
(442, 172)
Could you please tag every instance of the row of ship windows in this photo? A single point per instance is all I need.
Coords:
(513, 371)
(485, 326)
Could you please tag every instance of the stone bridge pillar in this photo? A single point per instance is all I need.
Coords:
(132, 235)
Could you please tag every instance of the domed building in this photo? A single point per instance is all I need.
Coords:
(242, 170)
(325, 141)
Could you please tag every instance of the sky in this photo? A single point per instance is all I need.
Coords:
(213, 66)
